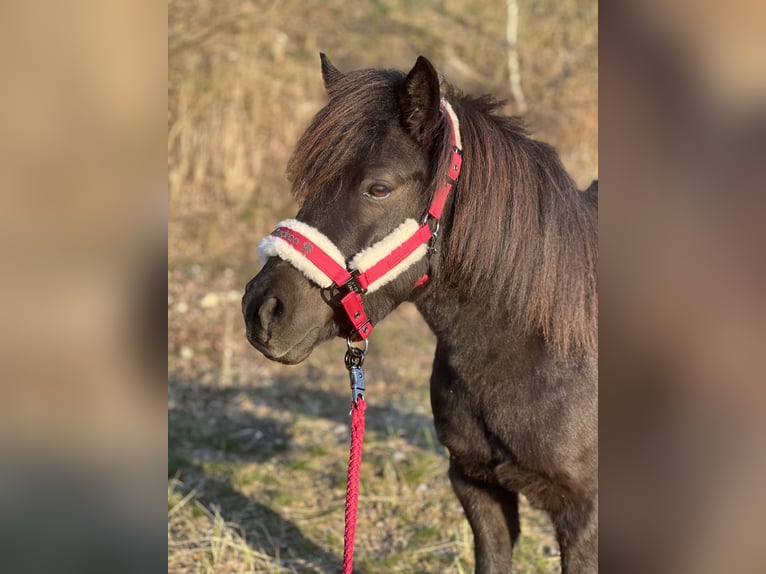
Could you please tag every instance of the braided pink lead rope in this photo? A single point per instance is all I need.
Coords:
(352, 489)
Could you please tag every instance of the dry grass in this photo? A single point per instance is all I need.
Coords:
(244, 82)
(257, 451)
(267, 446)
(201, 541)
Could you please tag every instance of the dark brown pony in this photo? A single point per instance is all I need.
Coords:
(511, 295)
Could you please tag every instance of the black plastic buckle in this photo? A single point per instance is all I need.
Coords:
(353, 283)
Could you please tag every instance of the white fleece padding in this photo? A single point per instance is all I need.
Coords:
(455, 122)
(367, 258)
(273, 246)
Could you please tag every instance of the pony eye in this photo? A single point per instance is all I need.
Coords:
(378, 191)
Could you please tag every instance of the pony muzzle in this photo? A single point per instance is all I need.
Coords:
(321, 261)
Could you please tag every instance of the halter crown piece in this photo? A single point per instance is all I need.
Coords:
(311, 252)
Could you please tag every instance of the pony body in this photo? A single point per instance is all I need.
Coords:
(511, 295)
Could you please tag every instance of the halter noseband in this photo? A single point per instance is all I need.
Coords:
(320, 260)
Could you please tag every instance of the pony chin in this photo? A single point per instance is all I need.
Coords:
(298, 352)
(294, 356)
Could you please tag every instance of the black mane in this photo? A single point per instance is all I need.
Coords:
(520, 226)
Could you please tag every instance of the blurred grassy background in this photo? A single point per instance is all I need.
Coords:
(257, 451)
(82, 180)
(244, 82)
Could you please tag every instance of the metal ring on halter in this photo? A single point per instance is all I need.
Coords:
(425, 220)
(435, 231)
(349, 346)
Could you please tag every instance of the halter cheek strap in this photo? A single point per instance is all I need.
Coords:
(320, 260)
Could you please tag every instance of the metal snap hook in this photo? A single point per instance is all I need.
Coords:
(354, 360)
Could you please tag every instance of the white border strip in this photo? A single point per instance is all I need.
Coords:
(367, 258)
(274, 246)
(455, 122)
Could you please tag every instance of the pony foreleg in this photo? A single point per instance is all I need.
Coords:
(577, 533)
(493, 514)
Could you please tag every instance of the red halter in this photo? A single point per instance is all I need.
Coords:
(321, 261)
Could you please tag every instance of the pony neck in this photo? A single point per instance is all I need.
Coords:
(518, 243)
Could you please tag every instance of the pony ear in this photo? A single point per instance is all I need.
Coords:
(330, 74)
(419, 100)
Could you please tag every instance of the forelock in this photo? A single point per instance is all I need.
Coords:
(345, 131)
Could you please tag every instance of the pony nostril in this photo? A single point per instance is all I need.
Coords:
(270, 309)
